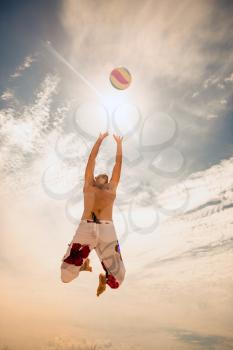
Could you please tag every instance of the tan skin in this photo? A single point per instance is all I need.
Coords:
(99, 194)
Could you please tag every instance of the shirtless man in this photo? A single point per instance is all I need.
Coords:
(99, 194)
(96, 229)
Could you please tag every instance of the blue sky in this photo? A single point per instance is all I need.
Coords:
(173, 211)
(23, 24)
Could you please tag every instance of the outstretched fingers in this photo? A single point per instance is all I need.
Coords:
(118, 138)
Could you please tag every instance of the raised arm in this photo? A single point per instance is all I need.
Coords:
(89, 172)
(116, 173)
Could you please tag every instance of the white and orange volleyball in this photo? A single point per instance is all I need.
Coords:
(120, 78)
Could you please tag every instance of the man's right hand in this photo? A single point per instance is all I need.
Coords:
(102, 136)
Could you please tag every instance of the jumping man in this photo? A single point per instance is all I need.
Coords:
(96, 229)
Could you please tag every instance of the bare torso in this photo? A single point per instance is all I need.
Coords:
(98, 200)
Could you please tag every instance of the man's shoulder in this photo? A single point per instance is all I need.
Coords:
(88, 185)
(113, 185)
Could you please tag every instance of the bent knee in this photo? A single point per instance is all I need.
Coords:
(67, 276)
(65, 279)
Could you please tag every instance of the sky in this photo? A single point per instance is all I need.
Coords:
(173, 211)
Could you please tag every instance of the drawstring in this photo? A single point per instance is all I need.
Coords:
(95, 219)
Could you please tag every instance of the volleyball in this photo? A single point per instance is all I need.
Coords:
(120, 78)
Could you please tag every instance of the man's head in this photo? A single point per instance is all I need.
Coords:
(101, 180)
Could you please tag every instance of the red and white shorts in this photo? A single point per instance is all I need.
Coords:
(101, 237)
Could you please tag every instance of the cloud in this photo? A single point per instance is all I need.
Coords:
(203, 341)
(25, 128)
(210, 190)
(195, 235)
(211, 99)
(26, 64)
(70, 343)
(220, 246)
(210, 81)
(8, 94)
(180, 72)
(117, 32)
(229, 78)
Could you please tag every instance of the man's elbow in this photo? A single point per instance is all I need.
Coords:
(92, 157)
(119, 158)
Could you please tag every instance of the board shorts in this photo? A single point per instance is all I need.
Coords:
(102, 237)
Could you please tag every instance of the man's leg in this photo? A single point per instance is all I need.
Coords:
(76, 257)
(108, 251)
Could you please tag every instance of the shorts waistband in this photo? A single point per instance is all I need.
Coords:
(100, 221)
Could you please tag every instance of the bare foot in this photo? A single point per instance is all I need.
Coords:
(102, 284)
(86, 266)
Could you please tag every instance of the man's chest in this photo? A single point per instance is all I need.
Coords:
(100, 194)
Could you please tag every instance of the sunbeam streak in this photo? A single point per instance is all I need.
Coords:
(50, 48)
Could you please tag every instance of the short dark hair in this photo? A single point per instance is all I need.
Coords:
(105, 175)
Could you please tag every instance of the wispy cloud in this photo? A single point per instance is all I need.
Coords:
(203, 341)
(8, 94)
(196, 233)
(217, 247)
(229, 78)
(164, 40)
(70, 343)
(25, 65)
(24, 129)
(209, 190)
